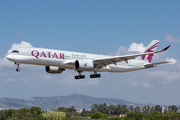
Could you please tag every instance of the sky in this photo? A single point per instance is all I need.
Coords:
(99, 27)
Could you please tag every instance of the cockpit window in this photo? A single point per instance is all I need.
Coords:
(15, 51)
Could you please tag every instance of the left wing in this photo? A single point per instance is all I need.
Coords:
(102, 62)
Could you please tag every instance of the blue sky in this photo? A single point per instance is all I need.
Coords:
(100, 27)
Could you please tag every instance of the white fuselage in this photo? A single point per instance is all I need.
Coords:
(59, 58)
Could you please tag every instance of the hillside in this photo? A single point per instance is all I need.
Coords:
(79, 101)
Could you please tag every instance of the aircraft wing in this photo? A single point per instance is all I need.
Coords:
(154, 64)
(102, 62)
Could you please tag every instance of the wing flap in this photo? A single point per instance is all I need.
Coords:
(154, 64)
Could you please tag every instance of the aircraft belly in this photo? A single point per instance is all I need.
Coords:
(38, 61)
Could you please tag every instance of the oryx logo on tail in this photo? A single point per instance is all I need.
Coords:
(151, 48)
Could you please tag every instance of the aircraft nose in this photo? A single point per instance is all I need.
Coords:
(10, 57)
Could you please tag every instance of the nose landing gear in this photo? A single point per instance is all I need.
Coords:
(17, 65)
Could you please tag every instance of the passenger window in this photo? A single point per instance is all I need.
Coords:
(15, 51)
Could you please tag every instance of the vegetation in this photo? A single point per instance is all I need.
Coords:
(98, 115)
(97, 111)
(22, 113)
(54, 115)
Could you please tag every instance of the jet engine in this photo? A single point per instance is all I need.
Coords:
(54, 70)
(83, 65)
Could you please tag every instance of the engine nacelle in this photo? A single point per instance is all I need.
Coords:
(54, 70)
(83, 65)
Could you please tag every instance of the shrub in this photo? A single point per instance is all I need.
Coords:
(68, 114)
(97, 115)
(135, 115)
(169, 113)
(54, 115)
(36, 110)
(155, 113)
(76, 114)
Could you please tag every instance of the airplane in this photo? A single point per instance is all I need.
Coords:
(56, 61)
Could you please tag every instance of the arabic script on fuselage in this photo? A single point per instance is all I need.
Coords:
(78, 56)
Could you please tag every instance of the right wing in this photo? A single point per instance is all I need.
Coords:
(103, 62)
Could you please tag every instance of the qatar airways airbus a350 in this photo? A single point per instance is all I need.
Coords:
(56, 61)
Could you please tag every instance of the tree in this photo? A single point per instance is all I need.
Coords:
(146, 109)
(36, 110)
(94, 108)
(62, 109)
(76, 114)
(68, 111)
(104, 108)
(24, 111)
(124, 109)
(137, 109)
(173, 108)
(158, 108)
(84, 112)
(165, 109)
(9, 112)
(72, 109)
(118, 109)
(111, 109)
(131, 108)
(151, 109)
(68, 114)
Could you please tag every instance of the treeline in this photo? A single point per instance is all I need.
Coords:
(102, 111)
(22, 114)
(131, 112)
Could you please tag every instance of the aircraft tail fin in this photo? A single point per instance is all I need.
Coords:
(150, 48)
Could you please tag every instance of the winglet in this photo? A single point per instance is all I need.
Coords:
(166, 48)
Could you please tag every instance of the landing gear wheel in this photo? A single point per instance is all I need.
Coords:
(17, 65)
(98, 75)
(91, 76)
(79, 76)
(17, 69)
(95, 75)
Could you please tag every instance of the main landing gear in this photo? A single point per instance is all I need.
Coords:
(79, 76)
(17, 65)
(95, 75)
